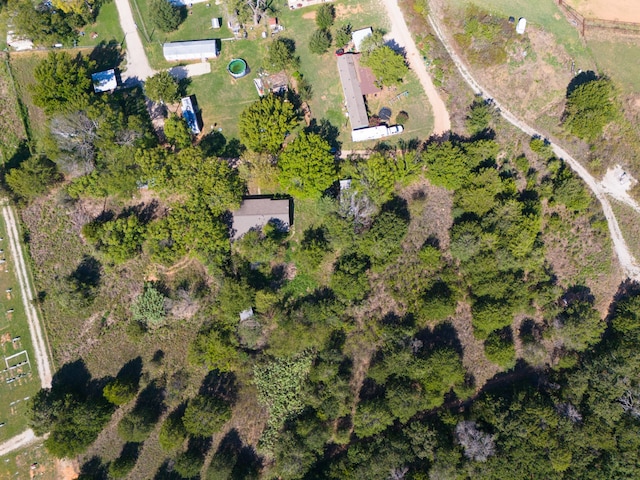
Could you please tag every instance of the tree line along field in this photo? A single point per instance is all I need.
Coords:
(422, 322)
(531, 74)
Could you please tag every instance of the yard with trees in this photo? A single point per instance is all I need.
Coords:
(421, 319)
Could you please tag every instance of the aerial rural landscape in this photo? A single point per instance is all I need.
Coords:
(319, 239)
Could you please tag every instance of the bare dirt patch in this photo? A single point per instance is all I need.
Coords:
(309, 15)
(67, 469)
(618, 10)
(343, 11)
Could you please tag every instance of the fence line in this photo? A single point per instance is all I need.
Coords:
(583, 23)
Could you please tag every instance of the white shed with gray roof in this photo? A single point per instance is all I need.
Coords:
(191, 50)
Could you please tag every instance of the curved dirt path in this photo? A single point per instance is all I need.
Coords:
(26, 438)
(138, 68)
(38, 338)
(400, 33)
(626, 259)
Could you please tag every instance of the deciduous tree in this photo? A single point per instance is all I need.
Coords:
(388, 66)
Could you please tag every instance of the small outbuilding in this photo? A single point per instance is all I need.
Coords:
(256, 212)
(521, 26)
(191, 50)
(190, 114)
(216, 22)
(359, 35)
(104, 81)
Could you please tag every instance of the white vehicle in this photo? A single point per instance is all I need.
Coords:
(373, 133)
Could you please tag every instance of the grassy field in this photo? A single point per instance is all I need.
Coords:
(620, 60)
(107, 26)
(196, 26)
(22, 66)
(18, 465)
(12, 130)
(19, 383)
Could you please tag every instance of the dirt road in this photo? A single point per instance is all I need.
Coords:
(626, 259)
(38, 338)
(400, 34)
(138, 68)
(19, 441)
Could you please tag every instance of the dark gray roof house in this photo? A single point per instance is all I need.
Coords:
(353, 96)
(257, 212)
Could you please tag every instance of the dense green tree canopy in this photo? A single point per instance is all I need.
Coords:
(589, 108)
(62, 83)
(162, 87)
(307, 166)
(32, 178)
(388, 66)
(281, 53)
(325, 15)
(320, 41)
(264, 124)
(164, 15)
(205, 415)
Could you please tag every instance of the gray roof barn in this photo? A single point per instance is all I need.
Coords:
(352, 91)
(257, 212)
(191, 50)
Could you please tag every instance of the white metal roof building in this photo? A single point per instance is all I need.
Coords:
(359, 35)
(353, 96)
(191, 50)
(104, 81)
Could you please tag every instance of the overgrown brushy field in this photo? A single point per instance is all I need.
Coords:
(11, 125)
(13, 325)
(629, 222)
(23, 65)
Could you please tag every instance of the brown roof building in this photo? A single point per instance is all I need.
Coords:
(256, 212)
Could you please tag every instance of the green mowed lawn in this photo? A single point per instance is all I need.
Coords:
(18, 384)
(196, 26)
(620, 60)
(107, 26)
(223, 98)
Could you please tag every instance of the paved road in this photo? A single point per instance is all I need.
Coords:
(627, 261)
(400, 33)
(138, 68)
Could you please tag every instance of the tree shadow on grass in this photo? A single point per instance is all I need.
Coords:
(581, 79)
(220, 384)
(106, 55)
